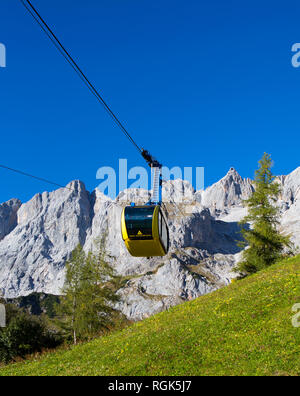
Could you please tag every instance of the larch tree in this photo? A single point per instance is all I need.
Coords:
(89, 294)
(70, 304)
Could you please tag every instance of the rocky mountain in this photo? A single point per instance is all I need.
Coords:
(37, 237)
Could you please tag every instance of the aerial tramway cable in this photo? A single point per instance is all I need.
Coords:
(57, 43)
(33, 177)
(49, 32)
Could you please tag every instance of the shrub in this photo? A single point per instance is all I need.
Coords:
(25, 334)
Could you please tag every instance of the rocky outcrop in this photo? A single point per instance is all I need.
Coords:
(8, 217)
(228, 192)
(39, 236)
(291, 187)
(33, 255)
(290, 220)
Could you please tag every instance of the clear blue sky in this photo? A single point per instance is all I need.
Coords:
(198, 83)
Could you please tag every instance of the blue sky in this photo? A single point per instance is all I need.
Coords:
(198, 83)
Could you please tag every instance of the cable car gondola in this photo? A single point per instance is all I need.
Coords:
(144, 228)
(145, 231)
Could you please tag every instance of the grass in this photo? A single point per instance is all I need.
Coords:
(243, 329)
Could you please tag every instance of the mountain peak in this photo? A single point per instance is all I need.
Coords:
(232, 170)
(227, 192)
(76, 185)
(232, 173)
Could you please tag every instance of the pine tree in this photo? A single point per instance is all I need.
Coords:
(264, 243)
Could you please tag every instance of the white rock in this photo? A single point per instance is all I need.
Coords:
(33, 255)
(291, 186)
(8, 217)
(228, 192)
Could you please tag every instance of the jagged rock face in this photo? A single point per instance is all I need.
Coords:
(290, 220)
(39, 236)
(137, 195)
(291, 187)
(228, 192)
(8, 216)
(171, 284)
(178, 191)
(289, 204)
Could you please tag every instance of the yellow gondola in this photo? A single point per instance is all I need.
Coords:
(145, 231)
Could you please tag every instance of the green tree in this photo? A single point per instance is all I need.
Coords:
(99, 293)
(89, 292)
(264, 243)
(25, 334)
(69, 307)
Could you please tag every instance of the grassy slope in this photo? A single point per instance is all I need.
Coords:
(243, 329)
